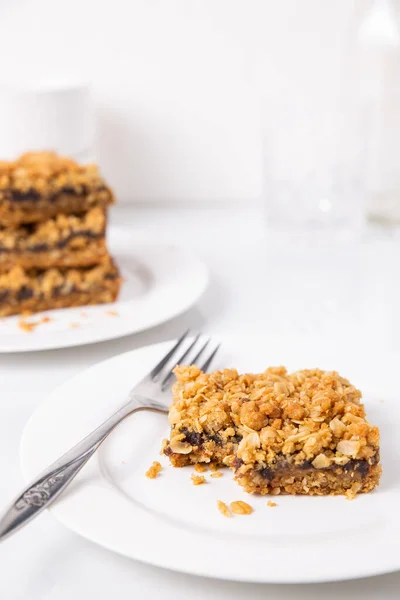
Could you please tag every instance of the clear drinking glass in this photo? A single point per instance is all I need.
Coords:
(380, 40)
(315, 142)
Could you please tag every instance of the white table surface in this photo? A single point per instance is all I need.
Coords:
(347, 290)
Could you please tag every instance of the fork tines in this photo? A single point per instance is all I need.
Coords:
(193, 350)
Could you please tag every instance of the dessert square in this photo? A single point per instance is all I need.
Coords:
(39, 185)
(298, 433)
(64, 241)
(34, 290)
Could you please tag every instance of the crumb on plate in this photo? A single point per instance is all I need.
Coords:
(200, 468)
(223, 509)
(26, 326)
(154, 470)
(198, 479)
(216, 474)
(241, 508)
(271, 504)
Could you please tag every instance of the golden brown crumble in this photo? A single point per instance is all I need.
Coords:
(241, 508)
(200, 468)
(47, 172)
(271, 504)
(154, 470)
(34, 290)
(216, 474)
(281, 432)
(198, 479)
(39, 186)
(112, 313)
(53, 231)
(353, 490)
(223, 509)
(31, 325)
(45, 281)
(306, 412)
(27, 326)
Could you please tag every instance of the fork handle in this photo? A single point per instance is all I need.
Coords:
(49, 485)
(39, 495)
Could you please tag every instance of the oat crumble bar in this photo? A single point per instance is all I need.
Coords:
(280, 433)
(64, 241)
(34, 290)
(40, 185)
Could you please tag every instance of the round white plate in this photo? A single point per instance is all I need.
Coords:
(171, 523)
(160, 282)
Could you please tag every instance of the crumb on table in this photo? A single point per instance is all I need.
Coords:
(198, 479)
(46, 319)
(74, 325)
(271, 504)
(154, 470)
(241, 508)
(223, 509)
(112, 313)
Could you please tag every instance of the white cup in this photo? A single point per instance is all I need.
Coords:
(49, 115)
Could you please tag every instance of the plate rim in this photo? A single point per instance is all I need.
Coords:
(57, 342)
(348, 574)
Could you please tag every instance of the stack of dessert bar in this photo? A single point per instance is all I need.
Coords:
(53, 252)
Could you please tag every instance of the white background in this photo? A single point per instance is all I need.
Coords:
(180, 84)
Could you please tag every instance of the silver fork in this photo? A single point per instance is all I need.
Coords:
(151, 393)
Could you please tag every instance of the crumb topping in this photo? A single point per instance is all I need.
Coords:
(48, 173)
(310, 415)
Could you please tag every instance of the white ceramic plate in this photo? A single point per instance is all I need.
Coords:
(171, 523)
(160, 282)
